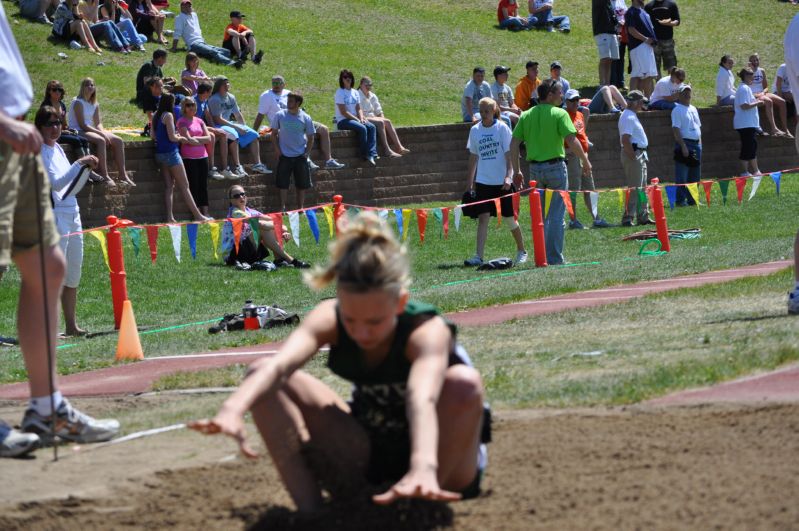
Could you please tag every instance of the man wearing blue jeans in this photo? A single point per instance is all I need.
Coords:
(541, 16)
(187, 26)
(544, 129)
(687, 131)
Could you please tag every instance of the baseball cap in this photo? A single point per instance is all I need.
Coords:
(278, 78)
(237, 14)
(555, 64)
(183, 2)
(501, 70)
(571, 94)
(636, 95)
(479, 69)
(531, 64)
(684, 87)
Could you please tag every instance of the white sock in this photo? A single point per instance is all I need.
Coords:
(43, 406)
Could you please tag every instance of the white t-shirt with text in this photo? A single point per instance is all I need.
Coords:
(490, 144)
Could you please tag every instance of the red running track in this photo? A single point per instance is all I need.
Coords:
(137, 377)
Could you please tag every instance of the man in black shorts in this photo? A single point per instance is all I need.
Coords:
(294, 133)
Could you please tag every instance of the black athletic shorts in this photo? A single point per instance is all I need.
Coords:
(486, 191)
(297, 166)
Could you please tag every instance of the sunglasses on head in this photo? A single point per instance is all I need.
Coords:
(238, 195)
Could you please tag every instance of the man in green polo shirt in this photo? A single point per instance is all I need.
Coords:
(544, 129)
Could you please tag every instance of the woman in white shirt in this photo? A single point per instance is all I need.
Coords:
(66, 180)
(349, 117)
(84, 117)
(770, 101)
(746, 121)
(725, 82)
(666, 93)
(373, 112)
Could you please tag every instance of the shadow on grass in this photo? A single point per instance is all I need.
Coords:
(750, 319)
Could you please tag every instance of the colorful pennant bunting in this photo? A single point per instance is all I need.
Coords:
(100, 235)
(191, 232)
(176, 233)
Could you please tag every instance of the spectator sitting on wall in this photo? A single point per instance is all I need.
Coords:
(503, 95)
(476, 89)
(525, 93)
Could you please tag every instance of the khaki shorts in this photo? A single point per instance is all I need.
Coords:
(19, 223)
(577, 181)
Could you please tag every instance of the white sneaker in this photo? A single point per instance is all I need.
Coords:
(474, 261)
(214, 174)
(521, 257)
(227, 174)
(14, 443)
(261, 168)
(333, 164)
(793, 302)
(312, 166)
(239, 171)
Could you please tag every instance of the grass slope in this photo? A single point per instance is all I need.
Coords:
(420, 53)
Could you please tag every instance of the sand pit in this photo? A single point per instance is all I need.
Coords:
(706, 467)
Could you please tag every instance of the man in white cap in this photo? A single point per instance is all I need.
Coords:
(687, 129)
(634, 158)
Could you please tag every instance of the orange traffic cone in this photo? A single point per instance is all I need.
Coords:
(129, 346)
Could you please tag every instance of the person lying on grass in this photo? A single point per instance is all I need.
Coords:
(414, 420)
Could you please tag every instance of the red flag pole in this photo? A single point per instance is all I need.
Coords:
(660, 216)
(537, 226)
(338, 209)
(116, 261)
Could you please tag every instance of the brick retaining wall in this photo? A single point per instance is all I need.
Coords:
(434, 171)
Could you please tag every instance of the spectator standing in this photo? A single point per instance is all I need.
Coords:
(149, 70)
(239, 40)
(771, 102)
(508, 16)
(618, 66)
(219, 137)
(641, 39)
(349, 117)
(667, 90)
(604, 23)
(69, 23)
(65, 181)
(665, 17)
(187, 27)
(725, 81)
(578, 180)
(192, 75)
(489, 176)
(541, 16)
(227, 116)
(747, 121)
(687, 129)
(370, 105)
(503, 95)
(24, 208)
(276, 99)
(543, 129)
(54, 97)
(294, 136)
(782, 88)
(526, 88)
(634, 158)
(195, 155)
(476, 89)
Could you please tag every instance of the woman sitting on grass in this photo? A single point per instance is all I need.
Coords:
(415, 417)
(373, 112)
(250, 251)
(68, 24)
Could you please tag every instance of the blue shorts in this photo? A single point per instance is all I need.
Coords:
(244, 139)
(169, 159)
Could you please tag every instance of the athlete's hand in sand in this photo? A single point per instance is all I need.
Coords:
(230, 424)
(417, 484)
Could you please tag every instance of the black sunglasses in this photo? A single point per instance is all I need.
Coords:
(57, 89)
(53, 123)
(238, 195)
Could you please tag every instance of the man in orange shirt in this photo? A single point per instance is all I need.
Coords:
(527, 86)
(577, 180)
(240, 40)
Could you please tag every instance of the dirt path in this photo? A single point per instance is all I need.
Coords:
(727, 467)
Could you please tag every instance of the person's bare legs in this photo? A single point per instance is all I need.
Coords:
(782, 109)
(753, 168)
(158, 26)
(304, 410)
(634, 83)
(517, 237)
(82, 30)
(380, 125)
(178, 173)
(236, 42)
(31, 311)
(617, 97)
(102, 154)
(324, 141)
(266, 233)
(69, 304)
(119, 155)
(284, 194)
(768, 109)
(255, 152)
(252, 45)
(604, 71)
(647, 86)
(221, 141)
(169, 189)
(393, 138)
(300, 198)
(233, 153)
(587, 200)
(482, 232)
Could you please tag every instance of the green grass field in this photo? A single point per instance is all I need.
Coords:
(419, 53)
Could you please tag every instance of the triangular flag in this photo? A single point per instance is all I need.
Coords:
(439, 217)
(237, 225)
(328, 210)
(294, 223)
(755, 185)
(254, 226)
(542, 195)
(152, 241)
(175, 232)
(621, 199)
(191, 232)
(406, 222)
(135, 239)
(671, 194)
(383, 214)
(693, 189)
(398, 219)
(100, 235)
(516, 198)
(421, 223)
(708, 186)
(498, 208)
(724, 186)
(352, 212)
(313, 223)
(215, 238)
(445, 221)
(627, 198)
(573, 199)
(547, 201)
(594, 197)
(776, 178)
(458, 214)
(740, 184)
(642, 199)
(566, 196)
(277, 219)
